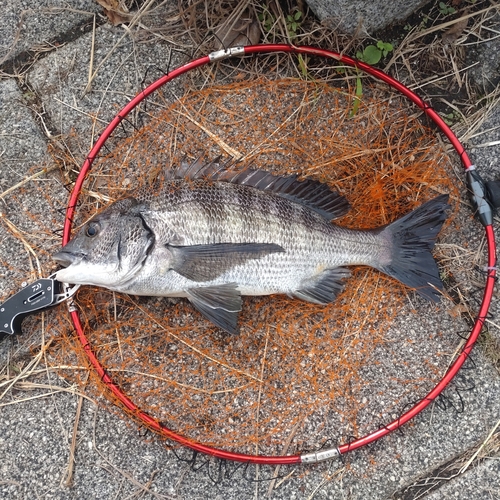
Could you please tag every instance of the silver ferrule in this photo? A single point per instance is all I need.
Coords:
(218, 55)
(319, 456)
(66, 294)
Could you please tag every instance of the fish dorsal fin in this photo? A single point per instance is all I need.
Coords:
(313, 194)
(194, 170)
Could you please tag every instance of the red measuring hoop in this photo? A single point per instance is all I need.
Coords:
(340, 449)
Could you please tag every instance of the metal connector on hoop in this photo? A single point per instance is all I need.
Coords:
(219, 55)
(478, 195)
(319, 456)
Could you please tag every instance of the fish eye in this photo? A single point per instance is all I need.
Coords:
(92, 229)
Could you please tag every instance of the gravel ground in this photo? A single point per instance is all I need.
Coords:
(114, 458)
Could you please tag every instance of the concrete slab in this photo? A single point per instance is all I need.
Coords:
(23, 147)
(36, 452)
(22, 143)
(486, 76)
(123, 66)
(28, 25)
(351, 15)
(480, 482)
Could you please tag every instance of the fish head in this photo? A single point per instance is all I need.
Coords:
(109, 250)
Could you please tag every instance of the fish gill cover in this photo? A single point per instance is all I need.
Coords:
(297, 373)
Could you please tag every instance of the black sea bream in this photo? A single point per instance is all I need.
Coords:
(212, 235)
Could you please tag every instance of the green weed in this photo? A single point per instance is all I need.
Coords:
(372, 54)
(445, 10)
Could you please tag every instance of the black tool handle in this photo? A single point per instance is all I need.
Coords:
(33, 297)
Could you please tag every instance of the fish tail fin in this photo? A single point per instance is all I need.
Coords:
(413, 237)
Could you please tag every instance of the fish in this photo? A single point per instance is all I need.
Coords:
(212, 234)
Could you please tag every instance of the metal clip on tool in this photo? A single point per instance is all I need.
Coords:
(33, 297)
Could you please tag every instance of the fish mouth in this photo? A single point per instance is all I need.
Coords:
(65, 259)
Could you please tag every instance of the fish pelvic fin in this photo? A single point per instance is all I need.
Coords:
(220, 304)
(413, 238)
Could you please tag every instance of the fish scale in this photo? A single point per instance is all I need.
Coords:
(214, 235)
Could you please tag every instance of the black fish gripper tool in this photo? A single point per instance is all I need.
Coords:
(34, 297)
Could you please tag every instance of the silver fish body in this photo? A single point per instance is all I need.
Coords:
(212, 235)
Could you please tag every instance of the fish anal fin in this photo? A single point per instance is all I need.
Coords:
(207, 262)
(220, 304)
(324, 287)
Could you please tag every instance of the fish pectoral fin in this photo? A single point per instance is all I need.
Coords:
(219, 303)
(208, 262)
(322, 288)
